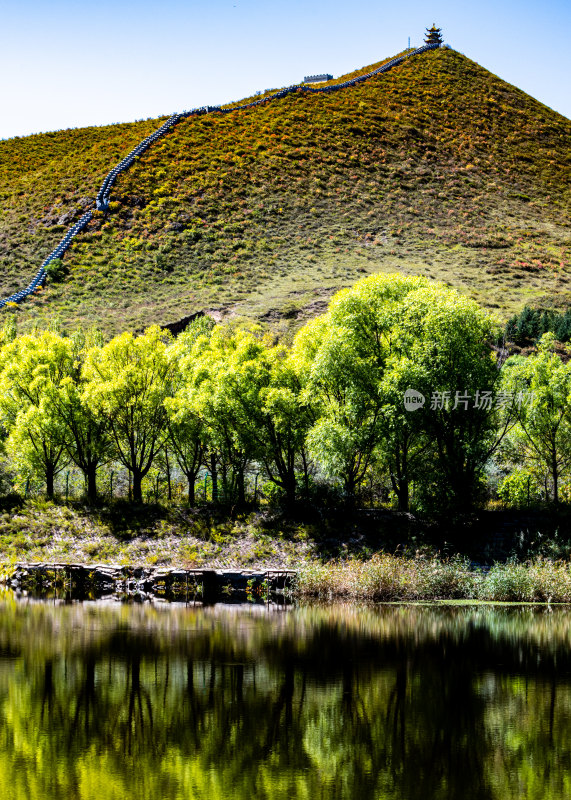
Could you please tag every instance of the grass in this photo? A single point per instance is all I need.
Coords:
(387, 577)
(437, 168)
(44, 531)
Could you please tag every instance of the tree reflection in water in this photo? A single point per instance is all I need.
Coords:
(342, 702)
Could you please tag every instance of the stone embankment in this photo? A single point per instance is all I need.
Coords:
(96, 580)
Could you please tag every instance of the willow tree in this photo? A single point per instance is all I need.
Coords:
(539, 388)
(345, 431)
(347, 356)
(44, 411)
(262, 383)
(448, 339)
(227, 432)
(188, 433)
(282, 420)
(32, 369)
(248, 395)
(384, 336)
(127, 382)
(87, 440)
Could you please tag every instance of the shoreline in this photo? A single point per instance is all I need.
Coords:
(379, 556)
(384, 578)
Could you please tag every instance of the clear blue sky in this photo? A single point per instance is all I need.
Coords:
(68, 64)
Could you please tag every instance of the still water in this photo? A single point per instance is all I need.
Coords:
(104, 701)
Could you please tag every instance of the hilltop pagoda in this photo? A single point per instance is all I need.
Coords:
(433, 35)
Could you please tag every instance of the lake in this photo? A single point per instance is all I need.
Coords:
(105, 700)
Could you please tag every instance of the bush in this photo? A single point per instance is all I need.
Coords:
(509, 582)
(56, 270)
(519, 489)
(387, 577)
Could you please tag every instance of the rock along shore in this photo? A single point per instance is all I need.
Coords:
(82, 581)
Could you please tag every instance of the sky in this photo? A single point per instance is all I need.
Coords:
(71, 64)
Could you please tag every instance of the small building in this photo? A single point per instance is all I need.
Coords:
(317, 78)
(433, 35)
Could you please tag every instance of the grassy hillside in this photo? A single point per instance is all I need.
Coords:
(437, 167)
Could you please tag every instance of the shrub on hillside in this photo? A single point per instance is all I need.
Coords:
(56, 270)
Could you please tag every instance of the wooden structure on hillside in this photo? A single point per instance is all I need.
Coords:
(433, 35)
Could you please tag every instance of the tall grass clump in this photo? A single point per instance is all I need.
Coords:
(450, 578)
(536, 581)
(386, 577)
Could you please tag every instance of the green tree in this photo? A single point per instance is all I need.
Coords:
(282, 418)
(87, 440)
(386, 334)
(447, 338)
(226, 433)
(404, 446)
(249, 396)
(540, 386)
(127, 382)
(188, 435)
(345, 431)
(348, 357)
(36, 444)
(32, 368)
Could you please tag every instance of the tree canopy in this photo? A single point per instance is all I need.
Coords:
(398, 385)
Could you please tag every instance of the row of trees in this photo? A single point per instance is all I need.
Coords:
(397, 380)
(531, 323)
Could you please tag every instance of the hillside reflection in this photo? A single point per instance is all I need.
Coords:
(115, 701)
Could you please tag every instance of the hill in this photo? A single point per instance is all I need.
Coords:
(437, 167)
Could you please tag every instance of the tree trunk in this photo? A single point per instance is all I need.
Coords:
(50, 475)
(403, 496)
(305, 473)
(191, 497)
(401, 489)
(225, 492)
(214, 476)
(555, 476)
(350, 489)
(290, 490)
(241, 488)
(168, 467)
(91, 476)
(137, 488)
(462, 484)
